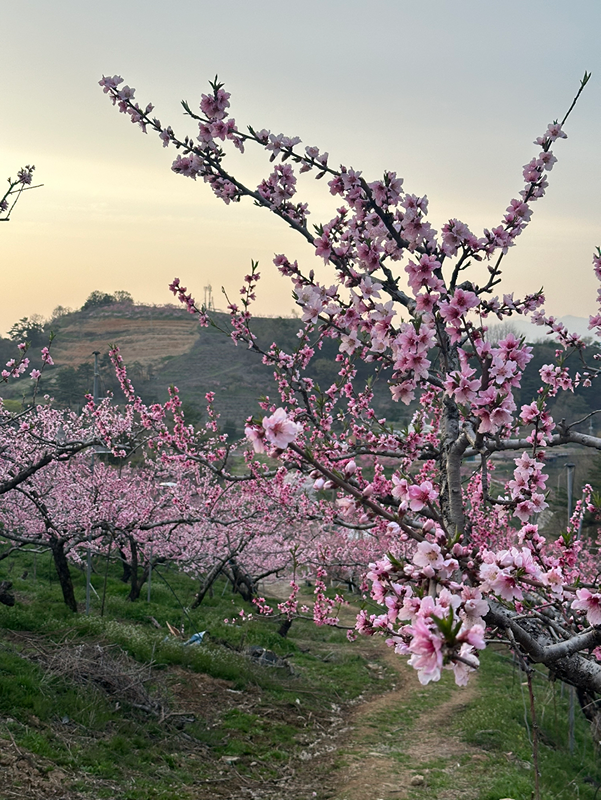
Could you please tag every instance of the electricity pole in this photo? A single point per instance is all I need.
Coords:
(89, 559)
(571, 734)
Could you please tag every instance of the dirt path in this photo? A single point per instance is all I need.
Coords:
(402, 745)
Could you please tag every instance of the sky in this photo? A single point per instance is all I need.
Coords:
(449, 94)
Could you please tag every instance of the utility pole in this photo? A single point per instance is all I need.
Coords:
(571, 708)
(570, 468)
(89, 558)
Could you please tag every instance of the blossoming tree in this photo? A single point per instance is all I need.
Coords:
(178, 503)
(16, 187)
(47, 486)
(415, 303)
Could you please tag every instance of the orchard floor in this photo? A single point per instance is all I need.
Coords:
(401, 743)
(378, 748)
(339, 722)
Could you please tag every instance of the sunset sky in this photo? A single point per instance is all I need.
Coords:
(451, 95)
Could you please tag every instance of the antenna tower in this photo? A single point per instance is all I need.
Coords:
(209, 304)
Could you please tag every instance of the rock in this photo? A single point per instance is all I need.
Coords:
(417, 780)
(6, 596)
(268, 658)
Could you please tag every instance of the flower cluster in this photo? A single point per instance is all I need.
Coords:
(276, 431)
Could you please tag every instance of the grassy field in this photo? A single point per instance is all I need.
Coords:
(112, 706)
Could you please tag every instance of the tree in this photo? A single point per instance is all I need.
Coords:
(44, 493)
(97, 299)
(414, 305)
(15, 189)
(59, 312)
(28, 329)
(72, 385)
(122, 296)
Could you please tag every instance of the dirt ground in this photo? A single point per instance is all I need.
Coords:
(359, 769)
(138, 339)
(399, 763)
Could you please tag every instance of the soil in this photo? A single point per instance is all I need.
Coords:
(141, 340)
(30, 777)
(387, 769)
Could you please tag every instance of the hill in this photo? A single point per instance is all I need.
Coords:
(164, 345)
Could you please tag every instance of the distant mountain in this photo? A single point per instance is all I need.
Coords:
(164, 345)
(535, 333)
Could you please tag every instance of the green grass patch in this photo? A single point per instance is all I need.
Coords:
(499, 723)
(258, 721)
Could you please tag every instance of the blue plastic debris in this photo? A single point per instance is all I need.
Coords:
(196, 638)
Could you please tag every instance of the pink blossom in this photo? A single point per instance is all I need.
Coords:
(589, 602)
(428, 554)
(474, 607)
(461, 670)
(422, 495)
(474, 636)
(554, 579)
(280, 431)
(506, 586)
(426, 649)
(399, 488)
(256, 436)
(46, 357)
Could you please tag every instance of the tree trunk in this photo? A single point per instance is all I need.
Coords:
(207, 585)
(137, 581)
(64, 574)
(285, 627)
(453, 447)
(136, 584)
(240, 580)
(126, 575)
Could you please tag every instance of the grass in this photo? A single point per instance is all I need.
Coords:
(245, 723)
(497, 724)
(249, 726)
